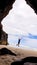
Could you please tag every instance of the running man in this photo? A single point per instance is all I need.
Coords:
(18, 42)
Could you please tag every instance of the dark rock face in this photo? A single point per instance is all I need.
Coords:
(3, 36)
(0, 31)
(26, 61)
(5, 51)
(33, 4)
(3, 39)
(5, 7)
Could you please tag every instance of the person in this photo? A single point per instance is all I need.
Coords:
(18, 42)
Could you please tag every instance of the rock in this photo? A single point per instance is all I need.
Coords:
(33, 4)
(26, 61)
(5, 51)
(5, 7)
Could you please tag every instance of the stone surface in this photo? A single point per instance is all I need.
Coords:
(26, 61)
(5, 7)
(33, 4)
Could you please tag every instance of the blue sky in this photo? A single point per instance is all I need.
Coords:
(32, 36)
(26, 40)
(21, 22)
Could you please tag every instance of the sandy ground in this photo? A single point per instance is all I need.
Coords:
(21, 53)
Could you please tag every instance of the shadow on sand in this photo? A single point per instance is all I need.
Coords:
(27, 59)
(5, 51)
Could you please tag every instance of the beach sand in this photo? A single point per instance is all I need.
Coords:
(20, 54)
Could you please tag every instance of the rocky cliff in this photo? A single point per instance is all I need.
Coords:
(5, 7)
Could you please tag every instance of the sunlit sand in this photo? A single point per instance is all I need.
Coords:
(20, 52)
